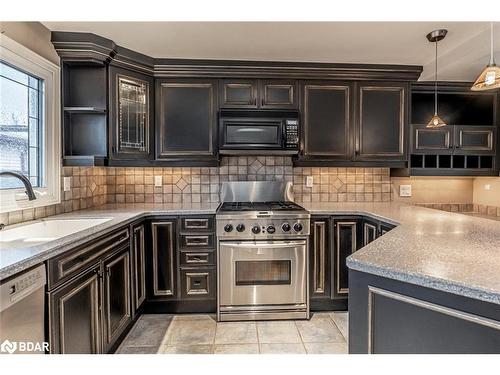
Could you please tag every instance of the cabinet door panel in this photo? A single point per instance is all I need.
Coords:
(117, 304)
(370, 231)
(326, 119)
(164, 259)
(131, 106)
(74, 322)
(320, 259)
(381, 122)
(187, 117)
(346, 242)
(475, 139)
(139, 252)
(434, 140)
(278, 94)
(238, 94)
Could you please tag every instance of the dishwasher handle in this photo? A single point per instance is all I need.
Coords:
(21, 286)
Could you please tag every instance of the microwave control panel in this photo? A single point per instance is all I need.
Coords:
(292, 134)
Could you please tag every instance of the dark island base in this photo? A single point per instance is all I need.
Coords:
(391, 317)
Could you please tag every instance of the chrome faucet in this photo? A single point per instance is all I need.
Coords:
(27, 184)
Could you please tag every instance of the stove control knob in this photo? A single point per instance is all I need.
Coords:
(240, 227)
(286, 227)
(297, 227)
(271, 229)
(228, 228)
(256, 229)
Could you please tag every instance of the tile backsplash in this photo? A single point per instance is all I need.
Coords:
(201, 185)
(94, 186)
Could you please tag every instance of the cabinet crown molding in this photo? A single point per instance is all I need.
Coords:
(75, 46)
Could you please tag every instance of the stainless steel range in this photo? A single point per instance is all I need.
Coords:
(262, 253)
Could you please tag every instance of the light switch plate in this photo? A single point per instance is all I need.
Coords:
(309, 181)
(405, 190)
(158, 181)
(67, 183)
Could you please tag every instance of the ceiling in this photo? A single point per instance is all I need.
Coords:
(462, 54)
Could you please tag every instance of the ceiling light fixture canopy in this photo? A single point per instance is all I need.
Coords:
(489, 79)
(434, 37)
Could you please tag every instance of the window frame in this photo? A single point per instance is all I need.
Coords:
(25, 59)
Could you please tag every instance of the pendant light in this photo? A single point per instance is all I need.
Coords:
(434, 37)
(489, 79)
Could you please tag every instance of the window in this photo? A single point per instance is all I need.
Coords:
(21, 126)
(29, 126)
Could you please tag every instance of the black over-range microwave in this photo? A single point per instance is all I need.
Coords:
(263, 132)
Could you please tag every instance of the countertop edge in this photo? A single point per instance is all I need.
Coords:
(82, 236)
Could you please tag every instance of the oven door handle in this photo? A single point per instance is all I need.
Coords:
(264, 244)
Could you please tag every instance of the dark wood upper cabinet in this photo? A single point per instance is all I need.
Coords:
(131, 112)
(278, 94)
(326, 119)
(238, 93)
(437, 140)
(186, 119)
(479, 140)
(258, 93)
(381, 121)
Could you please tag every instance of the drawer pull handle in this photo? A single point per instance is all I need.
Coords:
(197, 241)
(196, 223)
(196, 258)
(197, 283)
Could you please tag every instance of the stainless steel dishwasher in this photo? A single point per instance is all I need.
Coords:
(22, 312)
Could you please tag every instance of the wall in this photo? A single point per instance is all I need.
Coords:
(32, 35)
(435, 190)
(487, 201)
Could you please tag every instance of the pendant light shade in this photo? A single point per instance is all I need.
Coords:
(434, 37)
(436, 122)
(489, 79)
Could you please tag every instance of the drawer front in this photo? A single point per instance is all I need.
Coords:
(68, 264)
(198, 283)
(196, 241)
(197, 258)
(197, 224)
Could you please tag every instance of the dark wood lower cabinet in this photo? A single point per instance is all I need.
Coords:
(138, 268)
(392, 317)
(319, 259)
(346, 241)
(182, 265)
(74, 309)
(163, 259)
(332, 240)
(117, 297)
(89, 312)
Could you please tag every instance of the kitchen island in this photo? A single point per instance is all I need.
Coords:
(431, 285)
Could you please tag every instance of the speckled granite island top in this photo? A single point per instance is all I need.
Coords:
(14, 260)
(441, 250)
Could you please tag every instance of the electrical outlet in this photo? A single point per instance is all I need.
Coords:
(309, 181)
(487, 187)
(405, 190)
(67, 183)
(158, 181)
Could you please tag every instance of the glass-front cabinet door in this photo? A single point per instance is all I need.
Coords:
(130, 114)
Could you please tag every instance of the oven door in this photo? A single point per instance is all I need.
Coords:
(253, 273)
(251, 134)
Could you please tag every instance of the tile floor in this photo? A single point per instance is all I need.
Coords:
(324, 333)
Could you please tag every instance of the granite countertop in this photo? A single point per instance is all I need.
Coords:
(447, 251)
(14, 260)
